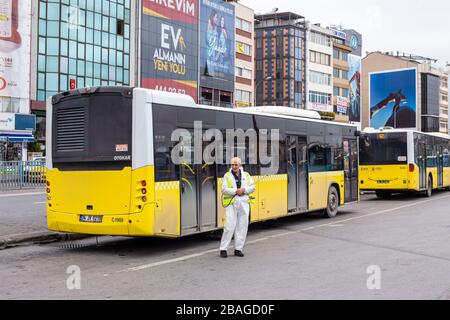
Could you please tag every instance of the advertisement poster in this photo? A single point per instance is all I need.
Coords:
(169, 46)
(393, 99)
(355, 88)
(217, 44)
(15, 19)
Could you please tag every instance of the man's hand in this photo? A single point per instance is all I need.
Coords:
(240, 192)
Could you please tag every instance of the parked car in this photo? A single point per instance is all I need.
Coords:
(34, 171)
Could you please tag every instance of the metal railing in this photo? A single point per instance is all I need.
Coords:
(21, 175)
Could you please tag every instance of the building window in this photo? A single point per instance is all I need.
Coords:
(243, 25)
(243, 73)
(336, 73)
(320, 78)
(319, 98)
(321, 39)
(120, 27)
(242, 98)
(345, 75)
(344, 56)
(75, 37)
(345, 93)
(319, 58)
(336, 54)
(336, 91)
(243, 48)
(259, 65)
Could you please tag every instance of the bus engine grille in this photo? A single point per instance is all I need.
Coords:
(70, 130)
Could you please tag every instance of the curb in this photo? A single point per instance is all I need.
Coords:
(38, 238)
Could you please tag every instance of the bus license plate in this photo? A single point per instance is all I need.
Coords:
(91, 219)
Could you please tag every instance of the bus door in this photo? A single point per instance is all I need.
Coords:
(351, 170)
(422, 164)
(198, 195)
(208, 194)
(440, 166)
(297, 174)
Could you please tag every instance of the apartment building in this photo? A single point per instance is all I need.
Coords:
(319, 68)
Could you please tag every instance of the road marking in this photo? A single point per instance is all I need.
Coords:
(374, 214)
(164, 262)
(44, 202)
(334, 223)
(21, 194)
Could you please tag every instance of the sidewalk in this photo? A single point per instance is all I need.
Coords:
(23, 219)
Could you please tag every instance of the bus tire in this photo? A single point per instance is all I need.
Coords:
(383, 194)
(429, 191)
(333, 203)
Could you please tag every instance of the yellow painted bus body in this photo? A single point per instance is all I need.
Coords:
(107, 194)
(398, 178)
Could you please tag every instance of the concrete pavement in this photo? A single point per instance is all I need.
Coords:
(403, 240)
(23, 219)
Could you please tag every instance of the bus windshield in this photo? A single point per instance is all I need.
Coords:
(383, 149)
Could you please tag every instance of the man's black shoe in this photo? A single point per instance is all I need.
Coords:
(223, 254)
(238, 253)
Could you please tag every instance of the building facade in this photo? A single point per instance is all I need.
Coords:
(16, 123)
(403, 91)
(280, 40)
(319, 68)
(443, 100)
(245, 62)
(76, 44)
(347, 51)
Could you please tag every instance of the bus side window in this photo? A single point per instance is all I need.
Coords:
(446, 158)
(318, 156)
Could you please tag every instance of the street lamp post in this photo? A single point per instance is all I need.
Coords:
(257, 85)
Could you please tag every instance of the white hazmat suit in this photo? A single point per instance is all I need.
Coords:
(237, 214)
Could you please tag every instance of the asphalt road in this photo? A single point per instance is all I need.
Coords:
(22, 212)
(377, 249)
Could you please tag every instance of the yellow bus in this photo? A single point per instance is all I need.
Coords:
(110, 168)
(399, 160)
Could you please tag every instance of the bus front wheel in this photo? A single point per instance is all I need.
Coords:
(333, 203)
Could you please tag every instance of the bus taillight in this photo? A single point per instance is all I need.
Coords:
(144, 183)
(411, 167)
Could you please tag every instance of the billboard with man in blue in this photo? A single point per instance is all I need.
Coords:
(393, 99)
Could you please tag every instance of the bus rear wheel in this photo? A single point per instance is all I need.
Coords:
(333, 204)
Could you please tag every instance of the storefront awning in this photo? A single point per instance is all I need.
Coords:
(10, 137)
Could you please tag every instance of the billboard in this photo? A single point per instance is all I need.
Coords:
(7, 121)
(354, 111)
(25, 122)
(393, 99)
(217, 45)
(169, 46)
(15, 20)
(353, 39)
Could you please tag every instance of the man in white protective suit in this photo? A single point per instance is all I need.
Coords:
(237, 189)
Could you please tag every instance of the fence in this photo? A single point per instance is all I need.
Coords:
(22, 174)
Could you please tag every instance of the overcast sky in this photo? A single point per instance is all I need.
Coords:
(420, 27)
